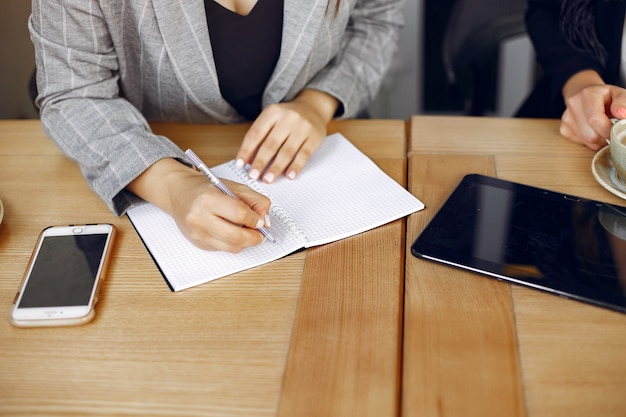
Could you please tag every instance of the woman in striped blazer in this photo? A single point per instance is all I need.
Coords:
(105, 68)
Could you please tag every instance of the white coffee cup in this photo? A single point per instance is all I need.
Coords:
(618, 148)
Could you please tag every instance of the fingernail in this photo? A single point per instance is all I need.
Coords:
(268, 223)
(260, 224)
(254, 174)
(269, 177)
(291, 175)
(239, 163)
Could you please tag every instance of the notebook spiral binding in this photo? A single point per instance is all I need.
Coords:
(275, 210)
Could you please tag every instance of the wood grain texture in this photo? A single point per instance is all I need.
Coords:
(214, 350)
(345, 350)
(460, 349)
(344, 358)
(219, 349)
(572, 355)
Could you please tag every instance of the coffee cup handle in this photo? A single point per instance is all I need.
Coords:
(613, 121)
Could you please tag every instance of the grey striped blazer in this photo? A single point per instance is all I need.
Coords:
(106, 67)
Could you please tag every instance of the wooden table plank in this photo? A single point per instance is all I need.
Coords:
(344, 358)
(460, 349)
(572, 355)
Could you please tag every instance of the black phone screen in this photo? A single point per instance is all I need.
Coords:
(64, 271)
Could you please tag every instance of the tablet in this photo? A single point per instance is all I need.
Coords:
(562, 244)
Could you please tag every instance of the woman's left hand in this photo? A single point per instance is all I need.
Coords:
(285, 135)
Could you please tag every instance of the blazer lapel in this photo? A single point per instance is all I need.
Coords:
(302, 21)
(183, 26)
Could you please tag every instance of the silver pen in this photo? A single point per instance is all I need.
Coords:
(197, 162)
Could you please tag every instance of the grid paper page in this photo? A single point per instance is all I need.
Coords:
(183, 265)
(340, 193)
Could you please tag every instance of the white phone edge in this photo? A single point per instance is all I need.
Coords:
(89, 311)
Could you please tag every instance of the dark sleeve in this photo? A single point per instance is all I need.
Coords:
(559, 60)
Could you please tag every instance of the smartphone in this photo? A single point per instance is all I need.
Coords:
(64, 276)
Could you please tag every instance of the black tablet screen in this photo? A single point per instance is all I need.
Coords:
(546, 240)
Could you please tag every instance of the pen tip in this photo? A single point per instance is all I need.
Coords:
(268, 236)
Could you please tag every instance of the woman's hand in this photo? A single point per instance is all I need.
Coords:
(590, 104)
(285, 135)
(207, 217)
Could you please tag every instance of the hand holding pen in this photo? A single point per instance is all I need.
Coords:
(201, 166)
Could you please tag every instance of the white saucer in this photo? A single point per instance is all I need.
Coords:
(604, 172)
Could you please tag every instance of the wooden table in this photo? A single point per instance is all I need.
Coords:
(317, 333)
(332, 331)
(474, 346)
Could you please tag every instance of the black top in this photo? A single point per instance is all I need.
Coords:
(245, 50)
(560, 60)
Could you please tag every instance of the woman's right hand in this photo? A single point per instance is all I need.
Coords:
(590, 104)
(208, 218)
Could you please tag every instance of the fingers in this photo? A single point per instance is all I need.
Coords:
(586, 119)
(619, 111)
(618, 103)
(207, 217)
(281, 140)
(577, 128)
(211, 232)
(258, 203)
(212, 220)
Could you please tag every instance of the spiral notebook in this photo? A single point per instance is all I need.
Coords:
(339, 193)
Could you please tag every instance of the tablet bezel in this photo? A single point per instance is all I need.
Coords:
(425, 248)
